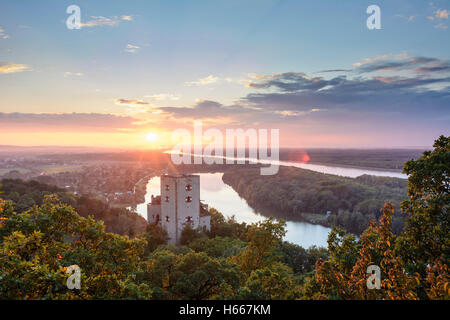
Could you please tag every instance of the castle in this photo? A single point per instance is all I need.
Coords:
(178, 205)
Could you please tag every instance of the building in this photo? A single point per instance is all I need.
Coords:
(178, 205)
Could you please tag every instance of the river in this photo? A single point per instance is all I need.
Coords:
(222, 197)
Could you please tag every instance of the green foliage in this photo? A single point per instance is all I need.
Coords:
(190, 275)
(299, 259)
(221, 227)
(263, 239)
(40, 236)
(155, 236)
(344, 275)
(299, 194)
(218, 247)
(189, 234)
(426, 241)
(26, 194)
(414, 265)
(37, 245)
(270, 283)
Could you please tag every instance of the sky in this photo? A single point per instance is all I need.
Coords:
(311, 69)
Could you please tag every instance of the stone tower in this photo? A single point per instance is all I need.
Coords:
(178, 205)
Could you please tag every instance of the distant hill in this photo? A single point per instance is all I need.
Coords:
(53, 149)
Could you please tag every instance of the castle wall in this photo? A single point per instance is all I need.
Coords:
(153, 212)
(180, 205)
(169, 207)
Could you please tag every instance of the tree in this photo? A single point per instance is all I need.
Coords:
(345, 279)
(263, 238)
(189, 234)
(191, 276)
(425, 244)
(155, 236)
(36, 247)
(270, 283)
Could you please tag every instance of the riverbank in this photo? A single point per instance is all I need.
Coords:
(296, 194)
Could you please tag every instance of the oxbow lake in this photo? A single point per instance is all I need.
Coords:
(222, 197)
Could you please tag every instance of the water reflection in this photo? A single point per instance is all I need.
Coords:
(222, 197)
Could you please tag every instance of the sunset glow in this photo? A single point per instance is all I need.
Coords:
(151, 137)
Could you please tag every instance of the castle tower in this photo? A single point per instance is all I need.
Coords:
(179, 205)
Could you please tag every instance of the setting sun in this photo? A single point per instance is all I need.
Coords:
(151, 137)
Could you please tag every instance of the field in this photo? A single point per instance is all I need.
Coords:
(20, 170)
(59, 169)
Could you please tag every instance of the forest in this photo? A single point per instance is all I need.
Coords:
(26, 194)
(233, 260)
(329, 200)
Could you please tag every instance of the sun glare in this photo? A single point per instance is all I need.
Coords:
(151, 137)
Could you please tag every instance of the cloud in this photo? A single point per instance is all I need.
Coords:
(204, 81)
(95, 122)
(389, 56)
(293, 113)
(6, 67)
(294, 81)
(335, 70)
(208, 109)
(428, 96)
(420, 92)
(3, 34)
(441, 25)
(131, 102)
(131, 48)
(101, 21)
(407, 18)
(163, 96)
(395, 63)
(441, 14)
(70, 74)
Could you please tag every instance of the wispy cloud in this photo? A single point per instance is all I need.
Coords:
(163, 96)
(203, 81)
(439, 15)
(130, 102)
(99, 21)
(442, 13)
(127, 18)
(131, 48)
(441, 25)
(65, 122)
(397, 56)
(3, 34)
(72, 74)
(407, 18)
(394, 63)
(6, 67)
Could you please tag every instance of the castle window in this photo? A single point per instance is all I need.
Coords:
(188, 219)
(188, 187)
(167, 199)
(188, 199)
(167, 187)
(167, 219)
